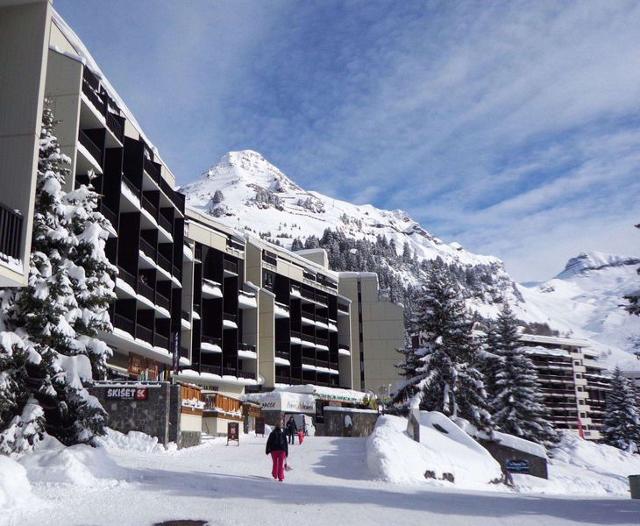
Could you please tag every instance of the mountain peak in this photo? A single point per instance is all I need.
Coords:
(586, 261)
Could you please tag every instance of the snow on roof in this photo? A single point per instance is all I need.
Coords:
(328, 393)
(547, 352)
(556, 340)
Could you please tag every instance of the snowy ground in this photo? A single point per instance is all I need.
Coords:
(330, 484)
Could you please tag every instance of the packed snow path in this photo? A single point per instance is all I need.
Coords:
(329, 484)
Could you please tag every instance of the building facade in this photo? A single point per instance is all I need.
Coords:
(377, 327)
(24, 52)
(573, 384)
(196, 301)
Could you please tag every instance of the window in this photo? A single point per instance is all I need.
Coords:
(268, 279)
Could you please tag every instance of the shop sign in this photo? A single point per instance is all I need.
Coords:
(260, 425)
(233, 432)
(127, 393)
(517, 466)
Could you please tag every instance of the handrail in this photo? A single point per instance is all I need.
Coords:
(10, 232)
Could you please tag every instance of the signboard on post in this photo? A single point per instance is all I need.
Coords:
(233, 432)
(260, 425)
(517, 466)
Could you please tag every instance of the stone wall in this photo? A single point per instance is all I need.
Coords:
(158, 416)
(537, 466)
(336, 422)
(150, 416)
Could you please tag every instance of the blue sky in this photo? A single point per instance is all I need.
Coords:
(511, 127)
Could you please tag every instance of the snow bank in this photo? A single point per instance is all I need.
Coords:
(580, 467)
(80, 465)
(132, 441)
(393, 456)
(15, 488)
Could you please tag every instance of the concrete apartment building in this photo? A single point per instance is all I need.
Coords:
(196, 300)
(24, 50)
(377, 329)
(573, 383)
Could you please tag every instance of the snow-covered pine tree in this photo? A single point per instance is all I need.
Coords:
(45, 312)
(621, 427)
(490, 359)
(517, 405)
(92, 276)
(452, 382)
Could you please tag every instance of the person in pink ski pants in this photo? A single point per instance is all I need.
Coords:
(279, 449)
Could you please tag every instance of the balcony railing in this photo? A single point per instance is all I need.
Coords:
(246, 374)
(91, 92)
(145, 290)
(232, 371)
(235, 245)
(164, 263)
(207, 368)
(129, 184)
(185, 315)
(152, 169)
(230, 316)
(281, 353)
(115, 125)
(94, 150)
(144, 333)
(162, 301)
(110, 215)
(10, 232)
(127, 277)
(211, 340)
(165, 223)
(246, 347)
(161, 341)
(322, 341)
(123, 323)
(267, 257)
(146, 247)
(149, 206)
(230, 266)
(283, 379)
(177, 272)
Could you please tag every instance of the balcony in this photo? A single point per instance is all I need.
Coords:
(246, 347)
(185, 315)
(94, 150)
(116, 125)
(10, 232)
(128, 278)
(144, 333)
(149, 250)
(230, 317)
(211, 340)
(90, 87)
(246, 374)
(123, 323)
(235, 245)
(165, 223)
(162, 301)
(280, 379)
(230, 266)
(213, 369)
(270, 258)
(164, 263)
(149, 206)
(146, 291)
(161, 341)
(152, 169)
(132, 187)
(111, 216)
(231, 371)
(281, 353)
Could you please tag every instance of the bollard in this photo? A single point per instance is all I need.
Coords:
(634, 486)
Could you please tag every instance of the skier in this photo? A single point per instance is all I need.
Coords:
(292, 429)
(279, 449)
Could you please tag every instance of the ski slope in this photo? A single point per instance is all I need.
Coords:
(330, 484)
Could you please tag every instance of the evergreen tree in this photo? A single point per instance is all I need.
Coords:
(451, 382)
(621, 427)
(45, 312)
(92, 275)
(491, 360)
(517, 406)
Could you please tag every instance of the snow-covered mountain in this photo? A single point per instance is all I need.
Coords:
(245, 191)
(586, 299)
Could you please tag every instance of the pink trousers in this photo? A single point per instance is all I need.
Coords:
(279, 459)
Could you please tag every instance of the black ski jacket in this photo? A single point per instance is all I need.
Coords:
(277, 441)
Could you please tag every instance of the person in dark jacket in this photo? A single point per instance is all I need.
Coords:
(292, 429)
(279, 449)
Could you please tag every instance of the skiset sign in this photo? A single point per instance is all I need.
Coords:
(127, 393)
